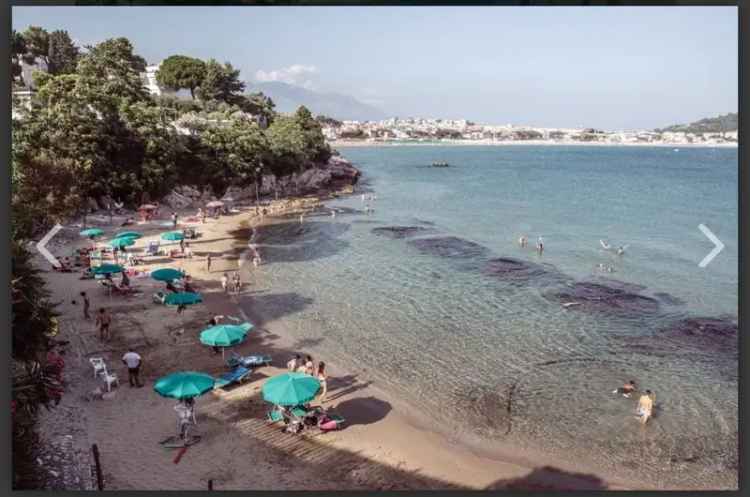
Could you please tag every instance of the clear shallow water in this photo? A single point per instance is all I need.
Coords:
(465, 345)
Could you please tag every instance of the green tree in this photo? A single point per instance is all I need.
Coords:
(221, 82)
(62, 53)
(17, 51)
(37, 45)
(318, 150)
(286, 146)
(180, 72)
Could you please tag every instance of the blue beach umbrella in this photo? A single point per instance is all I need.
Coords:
(172, 236)
(122, 242)
(290, 389)
(183, 298)
(184, 385)
(166, 274)
(91, 233)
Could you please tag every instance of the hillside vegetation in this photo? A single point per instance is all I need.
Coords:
(719, 124)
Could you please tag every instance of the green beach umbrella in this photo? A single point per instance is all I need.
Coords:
(107, 268)
(128, 234)
(172, 236)
(290, 389)
(91, 232)
(183, 298)
(166, 274)
(184, 385)
(225, 335)
(122, 242)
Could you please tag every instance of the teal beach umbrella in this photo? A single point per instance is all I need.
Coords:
(122, 242)
(183, 298)
(166, 274)
(107, 269)
(290, 389)
(184, 385)
(172, 236)
(225, 335)
(91, 233)
(128, 234)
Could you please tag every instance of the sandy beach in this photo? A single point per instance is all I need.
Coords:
(383, 445)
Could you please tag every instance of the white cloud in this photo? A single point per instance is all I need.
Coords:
(296, 74)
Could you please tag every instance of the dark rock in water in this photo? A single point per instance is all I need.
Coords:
(669, 299)
(621, 285)
(399, 231)
(426, 223)
(520, 271)
(595, 296)
(705, 334)
(449, 246)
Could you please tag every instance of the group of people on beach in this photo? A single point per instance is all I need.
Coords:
(306, 366)
(645, 407)
(234, 286)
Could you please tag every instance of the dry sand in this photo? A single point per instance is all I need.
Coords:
(383, 444)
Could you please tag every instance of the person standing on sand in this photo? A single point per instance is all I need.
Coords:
(294, 363)
(174, 219)
(182, 246)
(309, 366)
(103, 322)
(208, 263)
(645, 406)
(86, 305)
(133, 361)
(237, 282)
(224, 282)
(188, 251)
(321, 375)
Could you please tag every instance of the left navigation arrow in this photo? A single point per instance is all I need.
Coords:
(41, 246)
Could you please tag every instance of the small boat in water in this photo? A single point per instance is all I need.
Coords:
(440, 164)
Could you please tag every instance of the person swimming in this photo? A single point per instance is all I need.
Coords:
(627, 389)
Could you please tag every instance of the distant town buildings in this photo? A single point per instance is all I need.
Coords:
(462, 130)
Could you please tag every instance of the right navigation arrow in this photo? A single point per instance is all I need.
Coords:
(718, 248)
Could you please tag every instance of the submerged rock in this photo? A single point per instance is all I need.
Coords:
(449, 246)
(669, 299)
(520, 271)
(599, 297)
(704, 329)
(399, 231)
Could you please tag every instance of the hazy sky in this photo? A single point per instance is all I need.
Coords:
(608, 67)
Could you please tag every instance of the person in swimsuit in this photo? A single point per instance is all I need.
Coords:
(627, 389)
(321, 375)
(645, 406)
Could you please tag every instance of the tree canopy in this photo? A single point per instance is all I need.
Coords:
(180, 72)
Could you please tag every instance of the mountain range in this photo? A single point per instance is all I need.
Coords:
(727, 122)
(342, 107)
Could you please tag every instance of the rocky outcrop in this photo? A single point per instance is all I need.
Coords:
(337, 173)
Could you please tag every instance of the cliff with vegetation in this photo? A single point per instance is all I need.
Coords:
(719, 124)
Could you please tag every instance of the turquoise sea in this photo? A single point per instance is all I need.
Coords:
(442, 307)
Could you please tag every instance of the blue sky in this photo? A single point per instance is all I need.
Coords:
(608, 67)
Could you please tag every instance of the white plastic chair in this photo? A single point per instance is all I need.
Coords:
(99, 366)
(110, 379)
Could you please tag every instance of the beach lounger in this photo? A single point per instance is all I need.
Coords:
(237, 375)
(249, 361)
(274, 416)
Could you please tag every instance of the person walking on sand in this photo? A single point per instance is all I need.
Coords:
(86, 305)
(321, 375)
(208, 263)
(225, 282)
(133, 361)
(103, 322)
(294, 363)
(645, 406)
